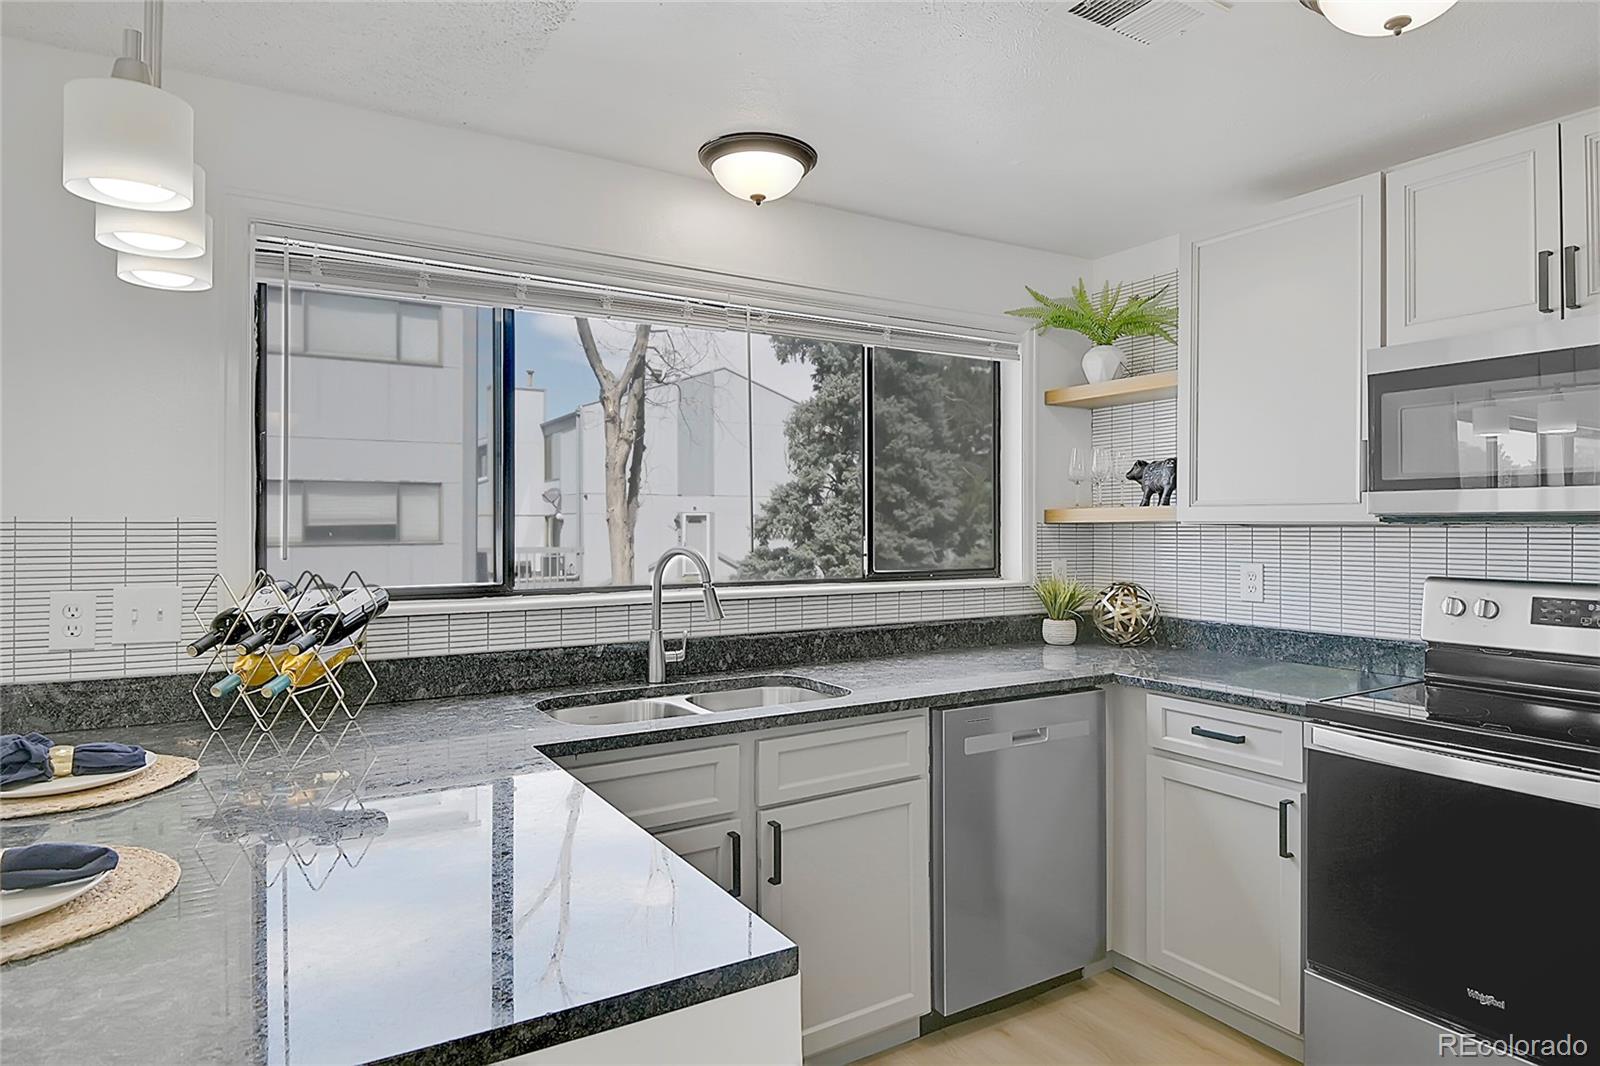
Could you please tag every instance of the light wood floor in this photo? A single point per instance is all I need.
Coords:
(1108, 1018)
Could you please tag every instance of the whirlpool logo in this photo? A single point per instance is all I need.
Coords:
(1486, 1000)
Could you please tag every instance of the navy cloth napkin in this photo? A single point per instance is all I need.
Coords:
(39, 865)
(26, 759)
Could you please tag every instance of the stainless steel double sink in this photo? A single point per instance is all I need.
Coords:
(618, 706)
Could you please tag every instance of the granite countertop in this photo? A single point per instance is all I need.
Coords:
(427, 885)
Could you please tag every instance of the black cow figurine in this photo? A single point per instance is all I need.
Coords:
(1158, 479)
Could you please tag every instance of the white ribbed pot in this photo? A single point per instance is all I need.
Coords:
(1101, 363)
(1060, 631)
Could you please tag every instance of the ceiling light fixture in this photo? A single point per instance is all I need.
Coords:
(125, 141)
(167, 234)
(759, 167)
(174, 275)
(1379, 18)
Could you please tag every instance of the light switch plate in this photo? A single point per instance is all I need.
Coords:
(1252, 579)
(72, 619)
(145, 614)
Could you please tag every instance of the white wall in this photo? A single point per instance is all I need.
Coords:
(120, 401)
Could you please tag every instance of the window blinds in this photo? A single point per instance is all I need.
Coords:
(338, 263)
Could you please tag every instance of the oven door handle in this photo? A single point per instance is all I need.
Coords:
(1476, 768)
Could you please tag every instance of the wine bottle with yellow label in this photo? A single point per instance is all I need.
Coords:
(307, 668)
(249, 670)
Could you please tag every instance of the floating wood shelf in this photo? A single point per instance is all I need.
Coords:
(1137, 389)
(1071, 515)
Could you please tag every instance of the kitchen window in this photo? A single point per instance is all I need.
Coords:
(594, 428)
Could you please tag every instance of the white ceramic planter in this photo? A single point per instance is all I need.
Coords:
(1102, 363)
(1060, 631)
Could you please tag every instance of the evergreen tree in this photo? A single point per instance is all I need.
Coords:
(933, 503)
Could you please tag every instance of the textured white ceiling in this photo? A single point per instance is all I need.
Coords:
(1011, 121)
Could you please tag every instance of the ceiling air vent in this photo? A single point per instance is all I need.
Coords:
(1145, 21)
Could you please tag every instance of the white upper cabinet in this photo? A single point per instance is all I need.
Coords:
(1474, 237)
(1276, 315)
(1580, 214)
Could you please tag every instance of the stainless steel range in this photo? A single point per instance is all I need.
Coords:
(1453, 857)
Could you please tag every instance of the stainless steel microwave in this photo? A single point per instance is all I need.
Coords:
(1496, 424)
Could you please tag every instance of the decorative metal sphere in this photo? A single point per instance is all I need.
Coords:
(1125, 614)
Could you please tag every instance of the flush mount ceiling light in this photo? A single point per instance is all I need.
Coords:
(125, 141)
(165, 234)
(1379, 18)
(174, 275)
(759, 167)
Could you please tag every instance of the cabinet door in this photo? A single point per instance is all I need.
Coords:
(1467, 230)
(1580, 214)
(1277, 315)
(846, 878)
(716, 850)
(1223, 902)
(656, 791)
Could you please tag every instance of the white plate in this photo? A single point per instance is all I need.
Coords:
(76, 782)
(20, 903)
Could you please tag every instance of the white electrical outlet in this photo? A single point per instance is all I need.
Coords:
(72, 618)
(145, 614)
(1252, 579)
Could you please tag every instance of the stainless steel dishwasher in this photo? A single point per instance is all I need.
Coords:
(1019, 845)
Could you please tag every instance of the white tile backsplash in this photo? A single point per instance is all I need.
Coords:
(1362, 580)
(37, 557)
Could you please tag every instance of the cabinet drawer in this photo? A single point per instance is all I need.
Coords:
(1263, 743)
(836, 760)
(662, 790)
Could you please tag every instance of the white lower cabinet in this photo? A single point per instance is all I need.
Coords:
(1223, 885)
(851, 887)
(846, 878)
(716, 850)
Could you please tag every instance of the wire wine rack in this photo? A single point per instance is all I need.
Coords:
(270, 676)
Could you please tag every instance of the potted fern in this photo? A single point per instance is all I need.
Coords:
(1064, 601)
(1104, 319)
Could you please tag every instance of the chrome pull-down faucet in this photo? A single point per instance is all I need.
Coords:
(659, 655)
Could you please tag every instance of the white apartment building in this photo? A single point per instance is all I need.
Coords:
(703, 480)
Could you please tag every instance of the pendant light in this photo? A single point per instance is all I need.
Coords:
(1557, 416)
(165, 234)
(174, 275)
(759, 167)
(1379, 18)
(125, 141)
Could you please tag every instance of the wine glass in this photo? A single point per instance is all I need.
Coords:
(1104, 469)
(1077, 471)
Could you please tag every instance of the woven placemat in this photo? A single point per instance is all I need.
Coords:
(141, 880)
(167, 770)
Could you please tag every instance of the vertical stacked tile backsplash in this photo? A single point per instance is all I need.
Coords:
(1361, 580)
(41, 557)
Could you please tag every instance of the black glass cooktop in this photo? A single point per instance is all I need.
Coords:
(1566, 732)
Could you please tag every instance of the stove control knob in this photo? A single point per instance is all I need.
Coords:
(1453, 606)
(1486, 609)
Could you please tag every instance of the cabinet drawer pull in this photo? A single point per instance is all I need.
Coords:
(1545, 307)
(1212, 734)
(1569, 277)
(1283, 829)
(777, 854)
(738, 863)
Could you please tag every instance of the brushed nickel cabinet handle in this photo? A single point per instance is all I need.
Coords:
(1545, 306)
